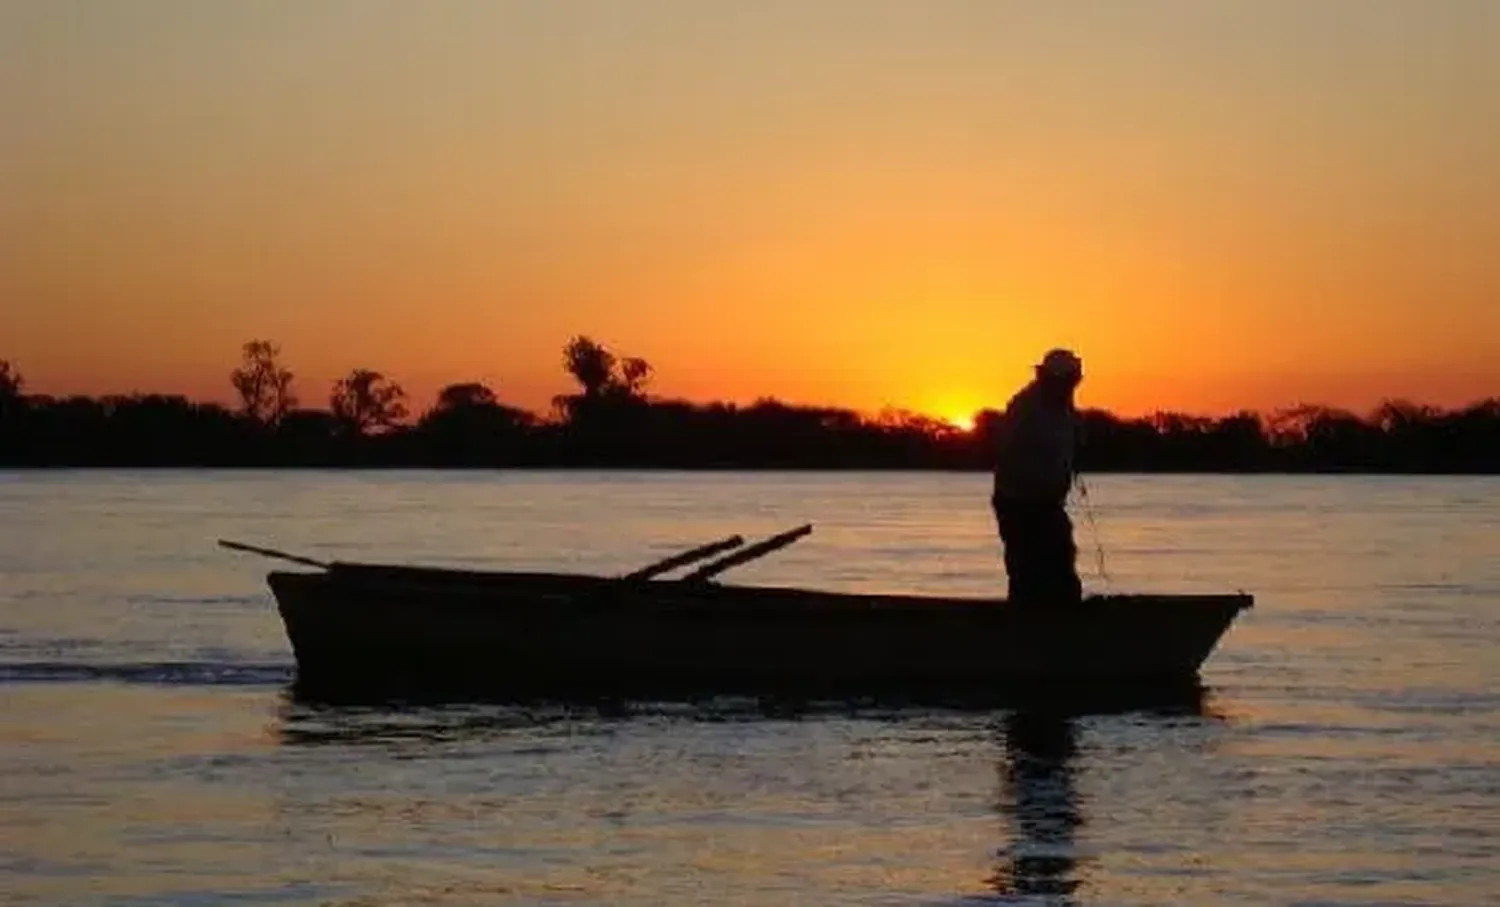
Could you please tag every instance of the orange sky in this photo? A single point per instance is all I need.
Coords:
(852, 202)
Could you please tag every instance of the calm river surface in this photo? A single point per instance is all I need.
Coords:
(1348, 751)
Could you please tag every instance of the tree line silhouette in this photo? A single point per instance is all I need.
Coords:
(611, 421)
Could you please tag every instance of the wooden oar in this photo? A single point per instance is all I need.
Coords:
(644, 573)
(272, 552)
(759, 549)
(686, 557)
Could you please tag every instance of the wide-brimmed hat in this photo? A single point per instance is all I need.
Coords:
(1060, 363)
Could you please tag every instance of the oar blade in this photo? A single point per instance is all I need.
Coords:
(272, 553)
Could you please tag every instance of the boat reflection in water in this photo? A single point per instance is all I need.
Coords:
(311, 713)
(1039, 798)
(1037, 756)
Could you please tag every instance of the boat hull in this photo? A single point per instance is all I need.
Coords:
(375, 632)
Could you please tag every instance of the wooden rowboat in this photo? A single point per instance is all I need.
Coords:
(392, 630)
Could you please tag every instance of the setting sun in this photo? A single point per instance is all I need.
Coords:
(959, 409)
(960, 422)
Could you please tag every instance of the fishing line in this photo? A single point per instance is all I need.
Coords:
(1088, 513)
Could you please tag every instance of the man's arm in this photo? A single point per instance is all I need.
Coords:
(1040, 459)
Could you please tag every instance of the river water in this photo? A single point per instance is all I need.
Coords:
(1347, 750)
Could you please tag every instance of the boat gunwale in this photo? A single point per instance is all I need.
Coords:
(442, 583)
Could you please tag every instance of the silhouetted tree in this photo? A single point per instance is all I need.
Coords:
(634, 375)
(590, 364)
(469, 395)
(613, 390)
(1395, 416)
(600, 373)
(473, 407)
(11, 401)
(264, 386)
(11, 382)
(1289, 427)
(904, 420)
(469, 426)
(366, 401)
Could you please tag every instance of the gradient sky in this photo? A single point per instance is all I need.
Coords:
(852, 202)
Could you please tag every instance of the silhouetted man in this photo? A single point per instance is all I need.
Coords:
(1035, 441)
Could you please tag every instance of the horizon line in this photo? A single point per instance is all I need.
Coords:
(545, 414)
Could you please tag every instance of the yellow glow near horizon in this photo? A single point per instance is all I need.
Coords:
(962, 423)
(850, 202)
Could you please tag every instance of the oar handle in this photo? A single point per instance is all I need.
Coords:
(686, 557)
(272, 552)
(759, 549)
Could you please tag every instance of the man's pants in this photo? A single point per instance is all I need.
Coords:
(1040, 557)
